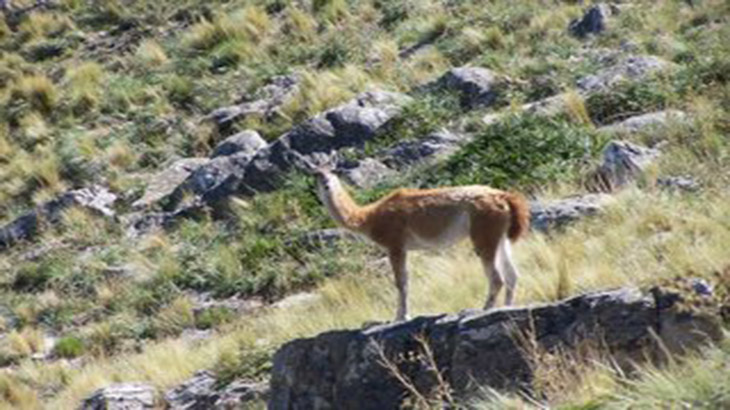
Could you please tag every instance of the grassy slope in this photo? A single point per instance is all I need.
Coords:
(59, 130)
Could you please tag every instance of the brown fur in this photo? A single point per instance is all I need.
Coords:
(520, 209)
(409, 219)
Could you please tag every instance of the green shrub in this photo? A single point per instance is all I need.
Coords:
(427, 113)
(36, 90)
(69, 347)
(180, 90)
(213, 317)
(519, 150)
(31, 278)
(626, 100)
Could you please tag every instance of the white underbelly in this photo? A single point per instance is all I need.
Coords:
(452, 234)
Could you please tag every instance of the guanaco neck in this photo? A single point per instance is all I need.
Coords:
(340, 205)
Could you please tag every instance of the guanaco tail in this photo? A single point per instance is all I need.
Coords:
(410, 219)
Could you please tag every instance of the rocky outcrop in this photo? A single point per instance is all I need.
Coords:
(265, 105)
(647, 122)
(161, 185)
(476, 85)
(630, 68)
(624, 68)
(194, 393)
(248, 142)
(200, 392)
(365, 173)
(244, 165)
(346, 369)
(347, 126)
(623, 162)
(681, 183)
(551, 215)
(427, 150)
(96, 199)
(127, 396)
(210, 183)
(593, 21)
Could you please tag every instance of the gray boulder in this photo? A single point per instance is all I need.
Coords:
(476, 85)
(201, 393)
(548, 216)
(475, 350)
(161, 185)
(647, 122)
(681, 183)
(248, 142)
(265, 104)
(623, 162)
(348, 126)
(126, 396)
(547, 107)
(631, 68)
(95, 198)
(252, 171)
(197, 393)
(241, 393)
(429, 149)
(365, 173)
(593, 21)
(211, 183)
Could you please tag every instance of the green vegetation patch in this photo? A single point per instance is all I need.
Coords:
(520, 150)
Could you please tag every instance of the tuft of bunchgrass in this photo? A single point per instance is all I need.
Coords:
(38, 91)
(150, 54)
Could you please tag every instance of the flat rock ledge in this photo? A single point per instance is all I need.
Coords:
(344, 369)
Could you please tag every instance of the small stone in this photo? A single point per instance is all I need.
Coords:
(682, 183)
(476, 85)
(593, 21)
(547, 216)
(701, 286)
(623, 162)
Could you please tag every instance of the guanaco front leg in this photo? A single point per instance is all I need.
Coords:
(398, 264)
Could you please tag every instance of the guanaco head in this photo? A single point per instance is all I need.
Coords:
(321, 167)
(327, 181)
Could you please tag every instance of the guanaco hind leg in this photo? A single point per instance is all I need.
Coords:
(508, 269)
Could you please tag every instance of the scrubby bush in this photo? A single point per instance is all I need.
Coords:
(36, 90)
(69, 347)
(213, 317)
(625, 100)
(519, 150)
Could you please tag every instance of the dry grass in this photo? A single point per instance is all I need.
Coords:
(150, 54)
(38, 91)
(41, 24)
(318, 92)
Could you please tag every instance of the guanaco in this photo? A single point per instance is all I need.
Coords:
(410, 219)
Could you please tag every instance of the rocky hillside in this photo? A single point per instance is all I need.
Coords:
(156, 224)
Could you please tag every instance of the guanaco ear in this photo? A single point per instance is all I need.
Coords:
(303, 163)
(315, 163)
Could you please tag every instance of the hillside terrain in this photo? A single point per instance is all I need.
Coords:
(156, 220)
